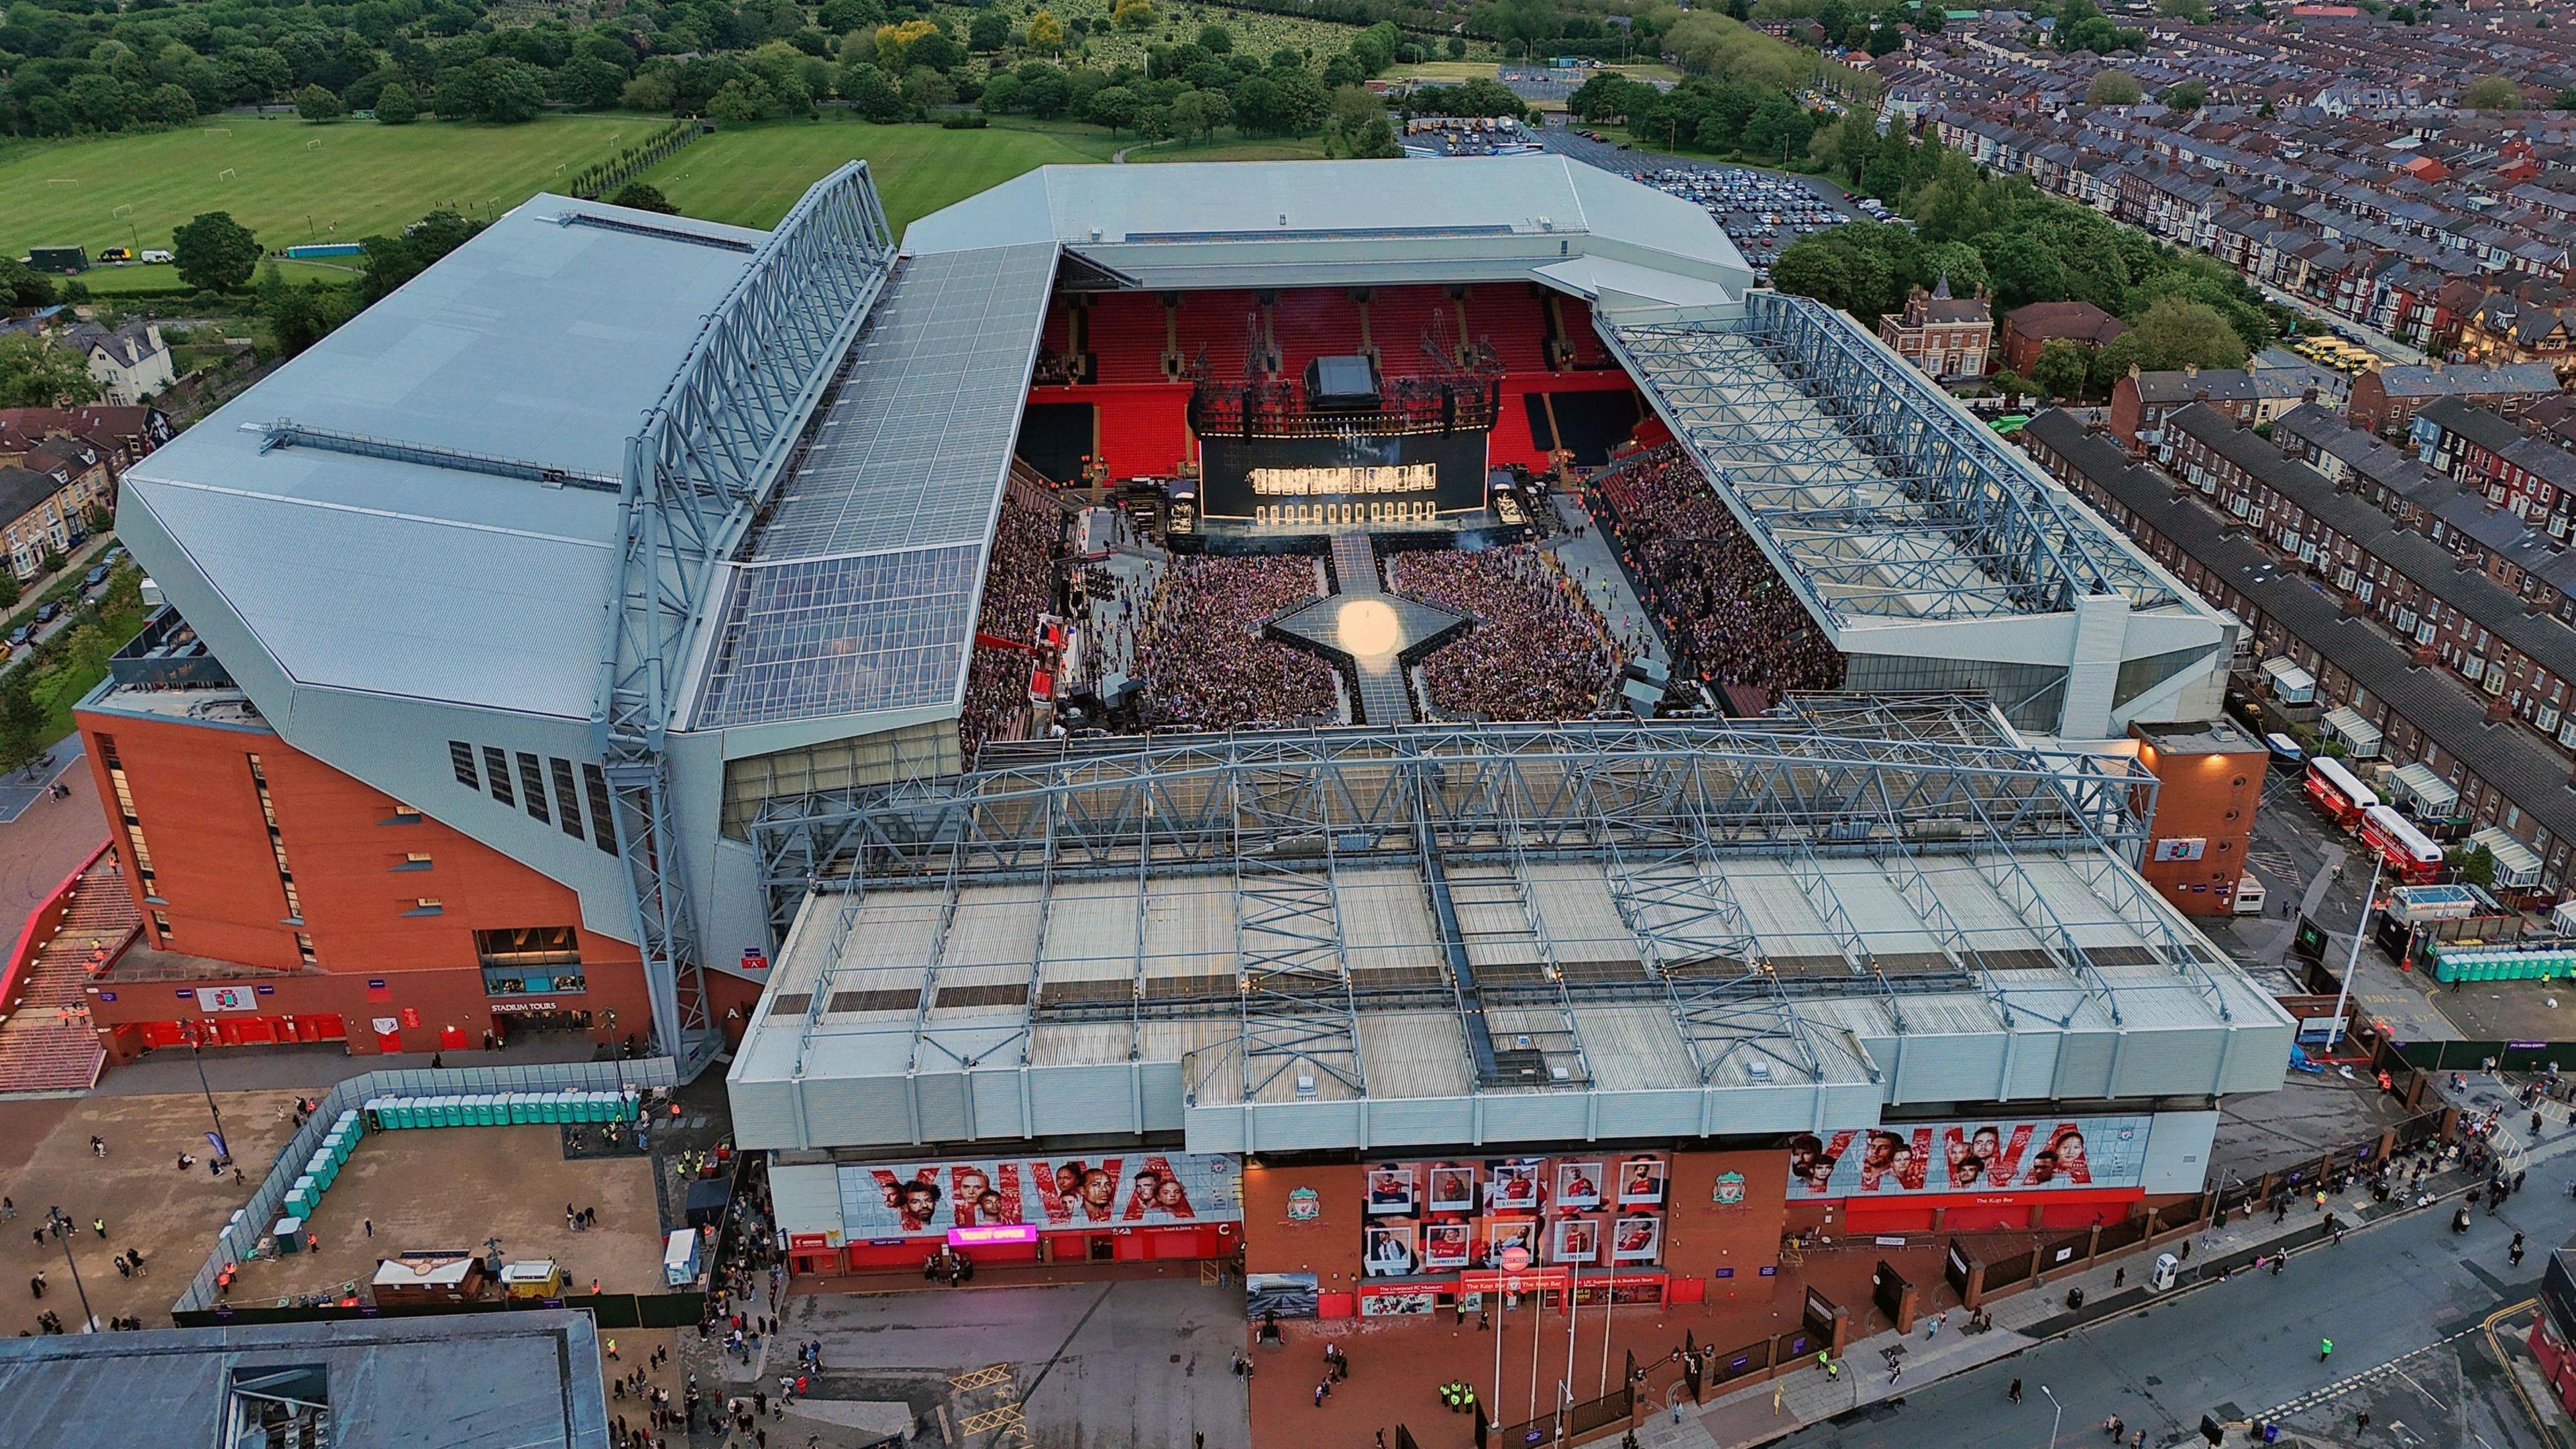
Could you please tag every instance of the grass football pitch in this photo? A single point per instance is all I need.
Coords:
(286, 180)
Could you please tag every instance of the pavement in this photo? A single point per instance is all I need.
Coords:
(2225, 1342)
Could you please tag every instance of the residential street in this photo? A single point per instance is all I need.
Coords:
(2402, 1301)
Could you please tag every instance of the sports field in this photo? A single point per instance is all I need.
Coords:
(750, 175)
(284, 179)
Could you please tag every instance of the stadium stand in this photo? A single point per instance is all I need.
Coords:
(1725, 614)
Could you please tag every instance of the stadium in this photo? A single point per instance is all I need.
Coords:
(1196, 667)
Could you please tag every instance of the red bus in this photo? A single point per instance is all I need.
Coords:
(2412, 856)
(2338, 792)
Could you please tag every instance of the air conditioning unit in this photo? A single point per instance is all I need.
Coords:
(1305, 1085)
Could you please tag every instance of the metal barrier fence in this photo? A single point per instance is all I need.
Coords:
(242, 1235)
(1567, 1426)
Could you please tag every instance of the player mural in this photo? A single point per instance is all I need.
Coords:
(2025, 1155)
(1116, 1190)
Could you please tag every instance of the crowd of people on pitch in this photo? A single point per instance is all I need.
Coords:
(1535, 648)
(1200, 651)
(1725, 613)
(1019, 585)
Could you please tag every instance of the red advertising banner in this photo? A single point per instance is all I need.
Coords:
(1528, 1280)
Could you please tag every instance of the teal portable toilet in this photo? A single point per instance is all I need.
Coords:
(514, 1107)
(458, 1112)
(557, 1109)
(406, 1112)
(299, 1198)
(350, 1122)
(601, 1106)
(480, 1113)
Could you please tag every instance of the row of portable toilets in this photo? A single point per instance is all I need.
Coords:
(383, 1114)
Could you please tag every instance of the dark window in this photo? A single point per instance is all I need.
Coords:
(532, 786)
(460, 757)
(567, 804)
(603, 823)
(496, 768)
(529, 946)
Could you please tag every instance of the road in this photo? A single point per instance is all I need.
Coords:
(2402, 1300)
(81, 560)
(2386, 344)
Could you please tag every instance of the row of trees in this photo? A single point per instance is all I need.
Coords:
(69, 66)
(1999, 233)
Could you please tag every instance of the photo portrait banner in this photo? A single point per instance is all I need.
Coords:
(1114, 1190)
(1992, 1155)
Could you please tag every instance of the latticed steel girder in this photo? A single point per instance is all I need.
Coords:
(1284, 797)
(1796, 414)
(710, 453)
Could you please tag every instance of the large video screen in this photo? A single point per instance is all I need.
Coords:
(1118, 1190)
(2018, 1155)
(1318, 480)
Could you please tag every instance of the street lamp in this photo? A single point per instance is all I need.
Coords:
(2056, 1414)
(64, 1230)
(193, 1032)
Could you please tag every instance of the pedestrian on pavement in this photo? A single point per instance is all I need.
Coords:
(2515, 1252)
(99, 1226)
(2119, 1277)
(1322, 1388)
(97, 1145)
(36, 1285)
(2013, 1395)
(2361, 1421)
(2277, 1260)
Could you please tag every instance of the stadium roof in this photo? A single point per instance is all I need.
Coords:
(860, 589)
(1318, 223)
(508, 1381)
(415, 551)
(1373, 937)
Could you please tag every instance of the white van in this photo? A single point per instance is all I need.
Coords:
(156, 254)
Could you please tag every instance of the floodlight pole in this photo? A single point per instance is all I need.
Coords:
(64, 1230)
(2360, 928)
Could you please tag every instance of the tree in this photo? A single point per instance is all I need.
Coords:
(314, 103)
(2021, 269)
(2186, 96)
(2009, 383)
(10, 590)
(1456, 46)
(1131, 16)
(1045, 33)
(2114, 88)
(2566, 100)
(395, 106)
(2195, 12)
(22, 720)
(298, 317)
(1375, 140)
(24, 286)
(2173, 333)
(2476, 865)
(394, 260)
(2061, 368)
(37, 374)
(1216, 40)
(743, 99)
(871, 92)
(214, 252)
(1523, 23)
(640, 197)
(990, 30)
(2493, 93)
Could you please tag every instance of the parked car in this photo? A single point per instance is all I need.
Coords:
(19, 636)
(48, 611)
(156, 254)
(96, 576)
(116, 254)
